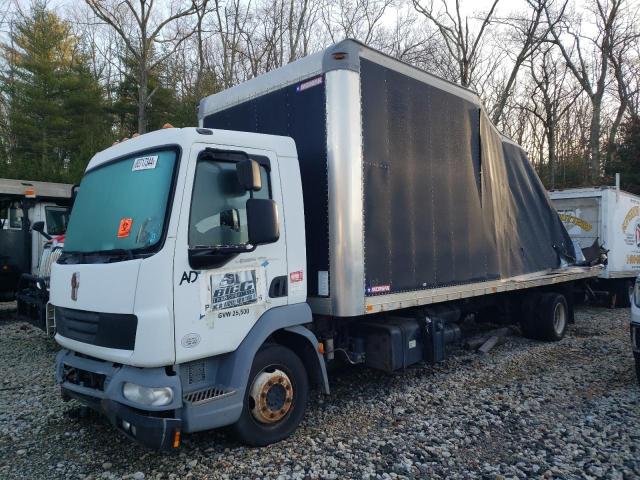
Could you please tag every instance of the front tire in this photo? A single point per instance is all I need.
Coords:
(275, 397)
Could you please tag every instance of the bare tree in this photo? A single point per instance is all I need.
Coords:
(143, 35)
(359, 19)
(626, 70)
(551, 101)
(463, 44)
(528, 32)
(592, 78)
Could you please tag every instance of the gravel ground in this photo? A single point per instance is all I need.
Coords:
(526, 410)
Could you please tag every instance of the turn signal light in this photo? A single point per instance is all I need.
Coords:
(176, 439)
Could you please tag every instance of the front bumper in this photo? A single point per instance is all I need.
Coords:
(153, 432)
(33, 295)
(98, 385)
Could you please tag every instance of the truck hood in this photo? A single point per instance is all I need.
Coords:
(106, 287)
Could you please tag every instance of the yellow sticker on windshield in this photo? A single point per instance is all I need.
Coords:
(125, 227)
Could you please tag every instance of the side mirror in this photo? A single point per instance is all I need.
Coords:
(39, 227)
(74, 194)
(249, 175)
(262, 221)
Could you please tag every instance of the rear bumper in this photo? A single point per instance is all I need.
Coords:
(153, 432)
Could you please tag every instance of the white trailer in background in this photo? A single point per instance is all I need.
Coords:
(612, 217)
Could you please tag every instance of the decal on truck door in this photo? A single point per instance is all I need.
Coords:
(233, 289)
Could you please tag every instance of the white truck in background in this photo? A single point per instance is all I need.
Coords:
(344, 208)
(609, 217)
(33, 217)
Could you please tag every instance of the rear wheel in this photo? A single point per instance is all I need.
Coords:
(622, 291)
(275, 398)
(545, 316)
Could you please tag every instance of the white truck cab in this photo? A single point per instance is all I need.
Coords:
(27, 208)
(170, 260)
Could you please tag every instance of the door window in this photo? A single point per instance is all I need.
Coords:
(218, 206)
(57, 219)
(15, 217)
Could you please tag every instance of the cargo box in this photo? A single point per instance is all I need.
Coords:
(411, 196)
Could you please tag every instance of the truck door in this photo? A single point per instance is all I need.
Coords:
(216, 306)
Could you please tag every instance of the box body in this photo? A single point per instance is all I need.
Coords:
(408, 188)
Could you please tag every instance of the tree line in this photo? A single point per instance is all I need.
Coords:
(560, 77)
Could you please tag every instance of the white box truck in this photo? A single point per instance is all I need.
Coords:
(344, 208)
(610, 217)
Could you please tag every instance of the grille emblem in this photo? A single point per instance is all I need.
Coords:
(75, 285)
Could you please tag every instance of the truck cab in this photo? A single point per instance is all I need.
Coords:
(175, 271)
(24, 204)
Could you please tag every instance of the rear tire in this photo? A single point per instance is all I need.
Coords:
(528, 317)
(622, 291)
(545, 316)
(275, 397)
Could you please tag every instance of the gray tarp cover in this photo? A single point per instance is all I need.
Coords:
(446, 201)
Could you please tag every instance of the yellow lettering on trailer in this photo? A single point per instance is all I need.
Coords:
(566, 218)
(633, 259)
(633, 212)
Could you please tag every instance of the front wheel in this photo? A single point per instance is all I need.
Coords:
(275, 398)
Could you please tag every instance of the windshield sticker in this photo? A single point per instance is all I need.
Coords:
(125, 227)
(230, 290)
(145, 163)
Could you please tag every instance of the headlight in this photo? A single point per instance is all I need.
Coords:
(154, 397)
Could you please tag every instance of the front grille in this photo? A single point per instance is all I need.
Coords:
(196, 372)
(83, 378)
(207, 395)
(49, 257)
(110, 330)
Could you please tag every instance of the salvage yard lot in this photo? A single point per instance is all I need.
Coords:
(526, 410)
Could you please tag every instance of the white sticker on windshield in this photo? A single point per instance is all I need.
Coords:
(145, 163)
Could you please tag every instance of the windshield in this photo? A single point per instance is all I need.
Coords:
(122, 205)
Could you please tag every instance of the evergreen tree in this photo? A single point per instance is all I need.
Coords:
(56, 117)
